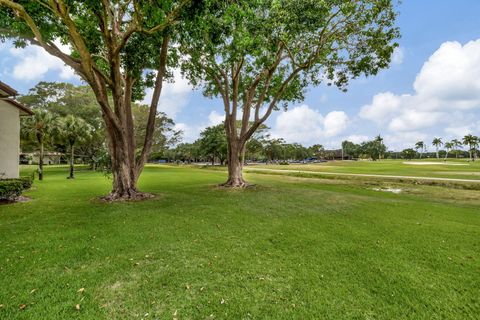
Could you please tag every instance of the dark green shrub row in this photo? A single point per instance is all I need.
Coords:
(13, 188)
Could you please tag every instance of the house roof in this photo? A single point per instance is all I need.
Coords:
(6, 90)
(24, 110)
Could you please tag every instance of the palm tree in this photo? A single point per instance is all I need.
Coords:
(456, 144)
(379, 144)
(472, 143)
(73, 130)
(40, 128)
(437, 143)
(448, 146)
(420, 145)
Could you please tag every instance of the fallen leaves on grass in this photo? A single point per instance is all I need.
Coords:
(81, 290)
(77, 307)
(22, 306)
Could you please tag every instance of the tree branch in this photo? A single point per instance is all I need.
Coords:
(147, 145)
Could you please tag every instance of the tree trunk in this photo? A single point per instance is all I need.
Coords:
(40, 163)
(124, 179)
(235, 166)
(72, 175)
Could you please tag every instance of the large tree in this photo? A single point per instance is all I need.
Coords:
(116, 44)
(258, 56)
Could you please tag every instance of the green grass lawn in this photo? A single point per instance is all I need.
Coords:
(289, 248)
(461, 169)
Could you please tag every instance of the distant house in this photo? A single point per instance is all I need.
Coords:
(336, 154)
(49, 157)
(10, 113)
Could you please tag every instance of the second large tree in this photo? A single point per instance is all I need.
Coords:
(258, 56)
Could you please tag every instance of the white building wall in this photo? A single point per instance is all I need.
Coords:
(9, 140)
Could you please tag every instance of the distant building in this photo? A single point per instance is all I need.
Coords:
(336, 154)
(49, 157)
(10, 113)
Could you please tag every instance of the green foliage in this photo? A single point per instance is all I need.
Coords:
(213, 143)
(74, 129)
(164, 135)
(351, 149)
(10, 189)
(282, 47)
(40, 127)
(409, 154)
(91, 20)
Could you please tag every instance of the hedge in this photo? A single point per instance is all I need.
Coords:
(10, 189)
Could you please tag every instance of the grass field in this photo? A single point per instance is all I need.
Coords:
(289, 248)
(460, 169)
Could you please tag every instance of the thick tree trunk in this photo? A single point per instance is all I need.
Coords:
(124, 178)
(235, 166)
(40, 163)
(72, 175)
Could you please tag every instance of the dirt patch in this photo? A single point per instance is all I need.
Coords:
(388, 189)
(19, 199)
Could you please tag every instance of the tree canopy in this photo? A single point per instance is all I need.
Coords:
(260, 55)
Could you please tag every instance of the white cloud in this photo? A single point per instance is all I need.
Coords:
(175, 95)
(383, 104)
(190, 132)
(357, 138)
(452, 73)
(33, 62)
(398, 55)
(215, 118)
(405, 140)
(335, 123)
(445, 88)
(307, 126)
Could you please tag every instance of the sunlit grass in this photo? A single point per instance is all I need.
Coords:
(290, 248)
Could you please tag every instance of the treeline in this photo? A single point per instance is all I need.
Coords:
(68, 123)
(262, 147)
(452, 148)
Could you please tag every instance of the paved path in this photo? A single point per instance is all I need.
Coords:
(363, 175)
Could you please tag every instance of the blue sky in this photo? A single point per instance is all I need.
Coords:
(431, 89)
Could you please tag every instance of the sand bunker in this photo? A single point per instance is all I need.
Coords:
(439, 163)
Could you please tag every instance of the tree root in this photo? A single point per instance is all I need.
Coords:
(126, 196)
(236, 184)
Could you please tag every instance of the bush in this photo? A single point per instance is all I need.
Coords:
(13, 188)
(283, 163)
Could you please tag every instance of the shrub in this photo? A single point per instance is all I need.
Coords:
(13, 188)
